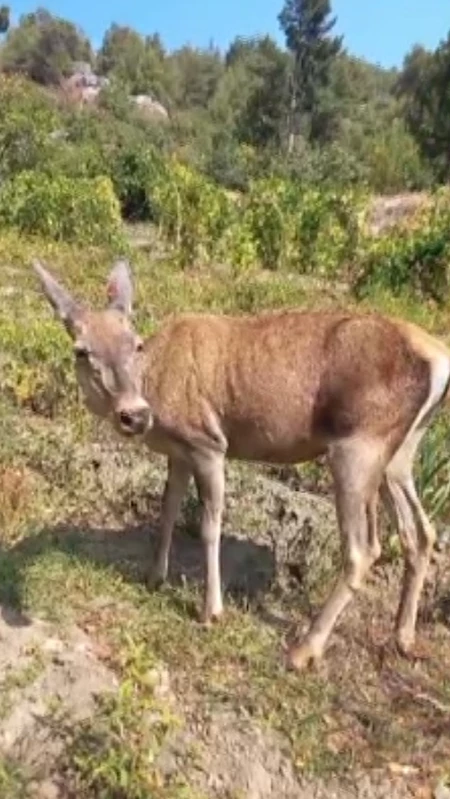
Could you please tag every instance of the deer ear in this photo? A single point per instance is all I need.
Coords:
(65, 306)
(120, 288)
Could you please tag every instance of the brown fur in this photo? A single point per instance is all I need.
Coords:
(280, 387)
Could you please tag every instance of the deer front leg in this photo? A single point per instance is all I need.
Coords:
(210, 480)
(174, 491)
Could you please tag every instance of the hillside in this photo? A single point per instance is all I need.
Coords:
(110, 690)
(230, 113)
(215, 708)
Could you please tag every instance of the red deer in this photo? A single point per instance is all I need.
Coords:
(278, 387)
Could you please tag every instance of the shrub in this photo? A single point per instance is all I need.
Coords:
(27, 119)
(135, 170)
(278, 223)
(412, 257)
(238, 246)
(334, 165)
(193, 213)
(270, 222)
(304, 229)
(326, 231)
(36, 369)
(393, 161)
(60, 208)
(230, 164)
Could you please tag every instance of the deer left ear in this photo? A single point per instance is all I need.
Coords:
(120, 288)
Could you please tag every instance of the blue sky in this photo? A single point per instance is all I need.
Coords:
(379, 30)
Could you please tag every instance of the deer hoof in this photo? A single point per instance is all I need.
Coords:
(300, 656)
(405, 643)
(155, 580)
(208, 617)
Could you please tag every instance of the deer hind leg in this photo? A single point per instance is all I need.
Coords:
(372, 529)
(417, 535)
(357, 467)
(174, 491)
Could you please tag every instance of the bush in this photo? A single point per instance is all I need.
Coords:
(393, 161)
(412, 257)
(76, 160)
(327, 231)
(36, 369)
(27, 120)
(238, 246)
(230, 164)
(60, 208)
(278, 223)
(303, 229)
(192, 212)
(135, 170)
(335, 165)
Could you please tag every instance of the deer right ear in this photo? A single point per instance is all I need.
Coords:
(65, 306)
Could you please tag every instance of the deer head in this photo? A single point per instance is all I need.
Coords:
(107, 351)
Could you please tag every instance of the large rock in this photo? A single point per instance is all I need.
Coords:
(149, 106)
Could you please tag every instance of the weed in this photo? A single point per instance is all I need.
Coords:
(13, 782)
(14, 501)
(114, 754)
(17, 679)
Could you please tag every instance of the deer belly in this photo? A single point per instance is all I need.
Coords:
(272, 444)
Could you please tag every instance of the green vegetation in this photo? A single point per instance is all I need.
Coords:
(311, 111)
(12, 782)
(73, 503)
(301, 136)
(256, 191)
(414, 257)
(113, 753)
(78, 209)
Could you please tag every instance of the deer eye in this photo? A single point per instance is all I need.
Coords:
(139, 345)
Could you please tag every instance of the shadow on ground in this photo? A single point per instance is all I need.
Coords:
(248, 568)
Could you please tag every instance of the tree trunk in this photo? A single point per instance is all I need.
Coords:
(292, 115)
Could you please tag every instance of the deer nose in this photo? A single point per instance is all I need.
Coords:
(135, 420)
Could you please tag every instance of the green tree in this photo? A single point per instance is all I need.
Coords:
(424, 89)
(195, 74)
(263, 68)
(393, 161)
(136, 62)
(307, 26)
(5, 14)
(363, 106)
(44, 47)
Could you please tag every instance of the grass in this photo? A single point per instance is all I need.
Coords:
(74, 509)
(13, 783)
(114, 753)
(17, 679)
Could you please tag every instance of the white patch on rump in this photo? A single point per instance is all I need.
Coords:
(440, 375)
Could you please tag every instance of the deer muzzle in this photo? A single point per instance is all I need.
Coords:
(134, 419)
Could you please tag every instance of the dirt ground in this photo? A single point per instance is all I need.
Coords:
(50, 671)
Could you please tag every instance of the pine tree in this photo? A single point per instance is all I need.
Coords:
(307, 25)
(5, 14)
